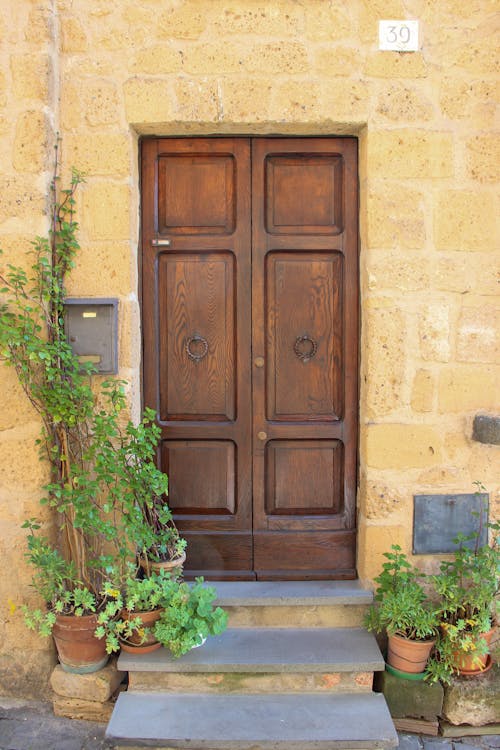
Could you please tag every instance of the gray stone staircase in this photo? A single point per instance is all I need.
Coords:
(294, 671)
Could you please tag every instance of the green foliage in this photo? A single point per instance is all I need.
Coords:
(189, 617)
(401, 606)
(468, 586)
(104, 487)
(120, 620)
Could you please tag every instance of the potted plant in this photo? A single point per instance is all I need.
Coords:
(402, 608)
(189, 617)
(132, 610)
(468, 586)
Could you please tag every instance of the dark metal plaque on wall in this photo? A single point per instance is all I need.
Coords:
(437, 519)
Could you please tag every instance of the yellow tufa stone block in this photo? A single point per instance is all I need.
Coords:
(337, 61)
(380, 499)
(280, 57)
(478, 334)
(401, 446)
(244, 104)
(117, 270)
(434, 333)
(373, 542)
(466, 387)
(398, 102)
(30, 76)
(182, 22)
(423, 389)
(399, 271)
(198, 100)
(31, 140)
(465, 220)
(395, 64)
(483, 158)
(472, 100)
(101, 105)
(384, 344)
(159, 59)
(395, 217)
(73, 35)
(296, 101)
(21, 199)
(148, 100)
(276, 19)
(330, 23)
(98, 154)
(106, 211)
(410, 154)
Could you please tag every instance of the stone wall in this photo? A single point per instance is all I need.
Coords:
(103, 74)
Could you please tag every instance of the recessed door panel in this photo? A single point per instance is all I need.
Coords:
(210, 488)
(197, 345)
(304, 335)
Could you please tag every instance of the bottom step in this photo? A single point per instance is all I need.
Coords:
(257, 722)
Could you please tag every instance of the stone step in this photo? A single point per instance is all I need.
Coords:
(251, 722)
(293, 603)
(271, 659)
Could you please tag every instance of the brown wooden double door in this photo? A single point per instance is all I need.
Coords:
(250, 330)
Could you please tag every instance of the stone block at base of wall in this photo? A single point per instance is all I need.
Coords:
(90, 697)
(409, 699)
(473, 700)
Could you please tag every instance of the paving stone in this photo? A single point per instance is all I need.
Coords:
(409, 742)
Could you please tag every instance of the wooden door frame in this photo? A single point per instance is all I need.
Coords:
(351, 321)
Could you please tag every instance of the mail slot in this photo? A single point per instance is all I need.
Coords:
(92, 331)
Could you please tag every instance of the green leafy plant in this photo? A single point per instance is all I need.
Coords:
(189, 617)
(120, 620)
(401, 606)
(468, 586)
(124, 464)
(107, 495)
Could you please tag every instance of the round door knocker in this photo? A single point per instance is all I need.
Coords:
(305, 347)
(196, 347)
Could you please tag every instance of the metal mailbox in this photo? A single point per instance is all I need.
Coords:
(92, 331)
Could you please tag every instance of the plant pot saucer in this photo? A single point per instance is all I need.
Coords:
(414, 676)
(477, 670)
(145, 648)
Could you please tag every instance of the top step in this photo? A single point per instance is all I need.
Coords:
(293, 603)
(290, 593)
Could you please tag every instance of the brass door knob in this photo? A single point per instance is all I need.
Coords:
(262, 435)
(259, 361)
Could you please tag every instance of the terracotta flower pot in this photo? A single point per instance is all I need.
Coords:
(78, 649)
(407, 655)
(134, 643)
(174, 567)
(470, 663)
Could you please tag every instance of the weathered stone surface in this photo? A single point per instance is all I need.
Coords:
(76, 708)
(474, 701)
(97, 686)
(411, 698)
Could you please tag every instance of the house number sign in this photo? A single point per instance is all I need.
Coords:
(400, 36)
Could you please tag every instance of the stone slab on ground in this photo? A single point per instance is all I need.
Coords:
(96, 686)
(410, 698)
(291, 593)
(252, 722)
(473, 700)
